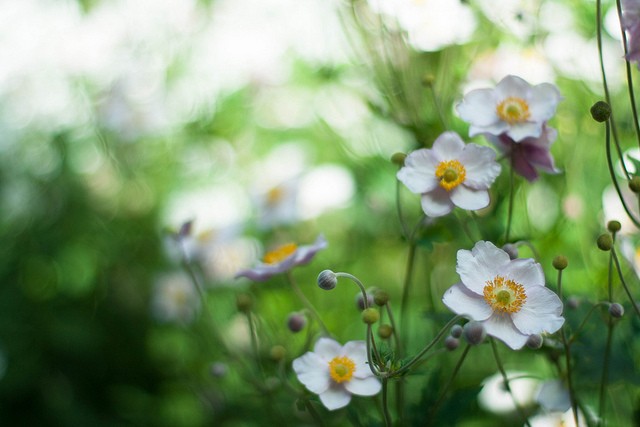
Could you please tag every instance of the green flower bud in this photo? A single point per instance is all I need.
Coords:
(244, 302)
(605, 242)
(634, 184)
(614, 226)
(398, 159)
(370, 316)
(278, 353)
(600, 111)
(385, 331)
(560, 262)
(381, 298)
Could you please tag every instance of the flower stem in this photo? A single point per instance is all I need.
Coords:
(254, 342)
(445, 390)
(404, 302)
(624, 284)
(307, 303)
(605, 373)
(505, 380)
(511, 196)
(632, 98)
(385, 405)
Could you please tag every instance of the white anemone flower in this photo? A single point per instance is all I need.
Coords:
(335, 372)
(450, 174)
(513, 107)
(508, 296)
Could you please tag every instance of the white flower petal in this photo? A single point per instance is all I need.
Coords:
(313, 372)
(494, 129)
(501, 327)
(478, 107)
(468, 198)
(436, 203)
(481, 264)
(357, 352)
(520, 131)
(335, 397)
(418, 172)
(448, 146)
(363, 386)
(480, 166)
(544, 101)
(461, 300)
(525, 271)
(513, 86)
(542, 312)
(327, 349)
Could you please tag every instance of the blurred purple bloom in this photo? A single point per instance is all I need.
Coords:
(282, 259)
(631, 23)
(530, 154)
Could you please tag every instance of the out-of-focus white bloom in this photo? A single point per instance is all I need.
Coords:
(324, 188)
(508, 296)
(175, 299)
(518, 17)
(450, 174)
(553, 396)
(278, 205)
(495, 398)
(614, 210)
(335, 372)
(557, 419)
(430, 24)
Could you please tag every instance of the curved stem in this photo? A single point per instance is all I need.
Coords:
(355, 280)
(632, 97)
(624, 284)
(445, 390)
(505, 380)
(613, 175)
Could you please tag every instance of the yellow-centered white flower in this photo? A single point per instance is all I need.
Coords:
(508, 296)
(335, 372)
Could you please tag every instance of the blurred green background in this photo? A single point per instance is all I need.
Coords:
(266, 122)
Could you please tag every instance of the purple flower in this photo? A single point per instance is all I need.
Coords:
(283, 258)
(530, 154)
(631, 23)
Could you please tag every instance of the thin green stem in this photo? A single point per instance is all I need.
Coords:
(254, 343)
(405, 231)
(399, 349)
(624, 283)
(567, 353)
(314, 414)
(505, 380)
(404, 302)
(632, 97)
(605, 373)
(613, 175)
(355, 280)
(445, 390)
(372, 367)
(511, 197)
(385, 405)
(307, 303)
(575, 333)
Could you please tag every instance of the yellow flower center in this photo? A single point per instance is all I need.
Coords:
(451, 173)
(504, 295)
(341, 369)
(275, 195)
(280, 253)
(513, 110)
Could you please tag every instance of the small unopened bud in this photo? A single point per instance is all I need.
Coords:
(456, 331)
(614, 226)
(534, 341)
(616, 310)
(573, 302)
(218, 369)
(511, 250)
(327, 280)
(451, 343)
(634, 184)
(605, 242)
(385, 331)
(381, 298)
(428, 79)
(474, 333)
(398, 159)
(600, 111)
(296, 322)
(560, 262)
(244, 302)
(277, 353)
(370, 316)
(360, 301)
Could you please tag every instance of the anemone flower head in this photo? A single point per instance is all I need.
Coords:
(529, 155)
(513, 107)
(336, 372)
(283, 258)
(507, 296)
(631, 23)
(450, 174)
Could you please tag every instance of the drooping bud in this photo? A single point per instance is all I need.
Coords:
(296, 322)
(327, 280)
(370, 316)
(616, 310)
(511, 250)
(560, 262)
(385, 331)
(456, 331)
(614, 226)
(534, 341)
(451, 343)
(474, 332)
(605, 242)
(360, 301)
(600, 111)
(381, 298)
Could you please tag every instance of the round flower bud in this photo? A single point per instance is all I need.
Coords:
(560, 262)
(600, 111)
(428, 79)
(381, 298)
(474, 333)
(535, 341)
(327, 280)
(456, 331)
(370, 316)
(573, 302)
(511, 250)
(616, 310)
(398, 159)
(277, 353)
(614, 226)
(360, 301)
(451, 343)
(218, 369)
(634, 184)
(385, 331)
(296, 322)
(244, 302)
(605, 242)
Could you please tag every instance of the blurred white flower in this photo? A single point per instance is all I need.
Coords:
(495, 398)
(557, 419)
(553, 396)
(614, 210)
(175, 299)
